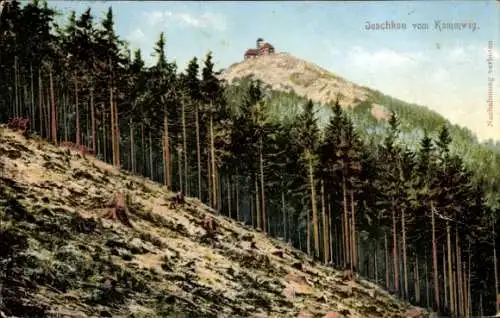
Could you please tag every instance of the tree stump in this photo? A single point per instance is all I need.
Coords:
(414, 312)
(176, 200)
(332, 314)
(209, 224)
(117, 210)
(347, 275)
(210, 227)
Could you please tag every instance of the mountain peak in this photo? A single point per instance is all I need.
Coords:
(286, 72)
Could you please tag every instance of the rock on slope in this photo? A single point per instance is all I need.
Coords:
(59, 257)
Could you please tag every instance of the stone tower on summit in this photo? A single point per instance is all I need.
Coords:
(262, 48)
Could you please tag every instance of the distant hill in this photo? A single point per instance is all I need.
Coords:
(284, 72)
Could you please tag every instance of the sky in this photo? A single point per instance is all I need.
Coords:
(444, 67)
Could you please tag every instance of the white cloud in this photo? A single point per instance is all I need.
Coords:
(385, 58)
(458, 54)
(207, 20)
(136, 36)
(146, 35)
(440, 76)
(143, 40)
(450, 80)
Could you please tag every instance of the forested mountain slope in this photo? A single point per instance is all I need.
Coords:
(290, 81)
(61, 256)
(411, 203)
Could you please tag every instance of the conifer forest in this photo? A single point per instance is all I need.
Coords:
(417, 219)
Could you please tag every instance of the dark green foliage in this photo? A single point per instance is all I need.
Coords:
(12, 242)
(84, 226)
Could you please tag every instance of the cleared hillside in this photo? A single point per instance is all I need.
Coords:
(60, 256)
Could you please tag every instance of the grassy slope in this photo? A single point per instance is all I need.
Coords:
(59, 255)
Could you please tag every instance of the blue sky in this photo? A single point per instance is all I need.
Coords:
(445, 70)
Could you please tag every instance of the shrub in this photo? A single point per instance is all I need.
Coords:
(18, 123)
(81, 148)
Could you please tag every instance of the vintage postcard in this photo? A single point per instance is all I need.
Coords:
(249, 158)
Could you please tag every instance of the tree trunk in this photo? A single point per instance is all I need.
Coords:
(445, 279)
(435, 261)
(104, 135)
(92, 111)
(32, 119)
(330, 234)
(198, 152)
(229, 196)
(417, 280)
(426, 275)
(354, 241)
(209, 181)
(405, 264)
(117, 135)
(308, 233)
(99, 147)
(300, 240)
(166, 151)
(464, 290)
(185, 150)
(469, 295)
(179, 164)
(326, 249)
(347, 254)
(77, 111)
(16, 101)
(237, 197)
(395, 249)
(495, 268)
(257, 204)
(284, 214)
(450, 265)
(212, 158)
(375, 263)
(113, 132)
(16, 88)
(219, 190)
(47, 113)
(386, 247)
(65, 115)
(40, 100)
(143, 150)
(53, 108)
(459, 275)
(481, 304)
(262, 195)
(338, 239)
(88, 133)
(151, 175)
(132, 147)
(250, 196)
(26, 101)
